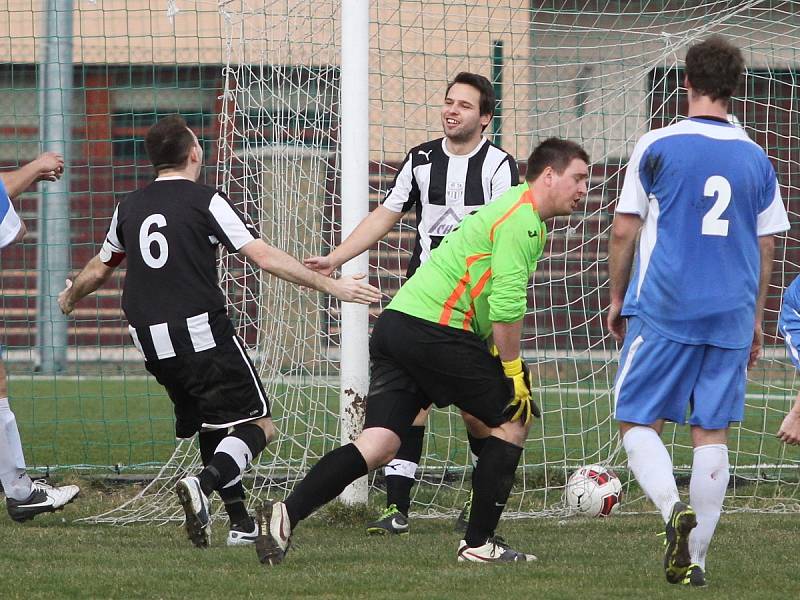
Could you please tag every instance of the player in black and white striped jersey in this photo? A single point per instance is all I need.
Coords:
(443, 180)
(170, 231)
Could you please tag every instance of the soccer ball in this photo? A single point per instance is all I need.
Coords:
(594, 491)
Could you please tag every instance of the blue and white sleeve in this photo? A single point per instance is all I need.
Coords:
(789, 322)
(634, 198)
(10, 222)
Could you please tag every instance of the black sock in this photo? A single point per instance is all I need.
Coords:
(326, 480)
(398, 487)
(398, 492)
(492, 482)
(208, 441)
(233, 496)
(476, 444)
(222, 468)
(476, 447)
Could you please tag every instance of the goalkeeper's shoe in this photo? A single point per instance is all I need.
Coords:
(695, 576)
(494, 550)
(274, 533)
(242, 535)
(463, 517)
(390, 521)
(196, 508)
(44, 498)
(676, 558)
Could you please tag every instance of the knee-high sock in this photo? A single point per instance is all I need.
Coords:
(401, 470)
(710, 476)
(652, 466)
(231, 457)
(475, 448)
(492, 482)
(326, 480)
(16, 483)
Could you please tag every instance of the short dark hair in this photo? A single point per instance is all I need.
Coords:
(480, 83)
(556, 153)
(714, 68)
(168, 143)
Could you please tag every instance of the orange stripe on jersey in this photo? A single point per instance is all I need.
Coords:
(452, 300)
(476, 291)
(526, 198)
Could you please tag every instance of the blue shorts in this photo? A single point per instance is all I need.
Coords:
(659, 378)
(789, 327)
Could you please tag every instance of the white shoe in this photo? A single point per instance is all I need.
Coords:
(274, 533)
(494, 550)
(44, 498)
(239, 537)
(196, 507)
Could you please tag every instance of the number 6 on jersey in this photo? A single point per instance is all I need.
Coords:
(147, 239)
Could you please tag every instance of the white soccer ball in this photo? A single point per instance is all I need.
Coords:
(594, 491)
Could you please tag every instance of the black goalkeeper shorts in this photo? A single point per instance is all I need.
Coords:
(415, 363)
(213, 389)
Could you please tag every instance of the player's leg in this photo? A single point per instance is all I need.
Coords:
(393, 402)
(719, 397)
(24, 498)
(400, 473)
(477, 434)
(654, 382)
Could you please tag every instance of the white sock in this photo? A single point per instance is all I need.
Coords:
(401, 468)
(710, 475)
(16, 483)
(652, 466)
(238, 451)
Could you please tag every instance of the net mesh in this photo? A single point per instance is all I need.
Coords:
(602, 73)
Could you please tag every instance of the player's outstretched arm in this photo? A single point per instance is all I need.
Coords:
(374, 227)
(48, 166)
(621, 249)
(93, 275)
(279, 263)
(789, 431)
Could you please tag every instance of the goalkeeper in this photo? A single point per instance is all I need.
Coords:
(429, 345)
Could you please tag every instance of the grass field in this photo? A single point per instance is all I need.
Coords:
(753, 556)
(128, 422)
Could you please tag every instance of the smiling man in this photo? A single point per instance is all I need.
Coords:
(443, 180)
(429, 346)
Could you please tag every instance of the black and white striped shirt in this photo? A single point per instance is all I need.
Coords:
(170, 231)
(446, 187)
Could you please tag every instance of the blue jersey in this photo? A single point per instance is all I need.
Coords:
(9, 220)
(789, 321)
(705, 192)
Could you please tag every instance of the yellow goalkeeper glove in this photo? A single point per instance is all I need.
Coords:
(522, 405)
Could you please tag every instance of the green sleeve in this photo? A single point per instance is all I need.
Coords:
(514, 255)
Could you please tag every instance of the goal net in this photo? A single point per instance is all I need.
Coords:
(601, 73)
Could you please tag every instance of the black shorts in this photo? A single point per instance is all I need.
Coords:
(212, 389)
(415, 363)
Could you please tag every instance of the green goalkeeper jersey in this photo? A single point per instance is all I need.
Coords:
(479, 273)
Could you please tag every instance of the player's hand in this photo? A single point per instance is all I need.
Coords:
(321, 264)
(615, 322)
(522, 407)
(789, 431)
(50, 165)
(352, 289)
(755, 348)
(64, 299)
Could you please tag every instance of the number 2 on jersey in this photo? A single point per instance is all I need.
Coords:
(718, 186)
(147, 239)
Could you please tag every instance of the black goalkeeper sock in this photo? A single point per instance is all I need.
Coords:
(476, 447)
(492, 482)
(326, 480)
(398, 487)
